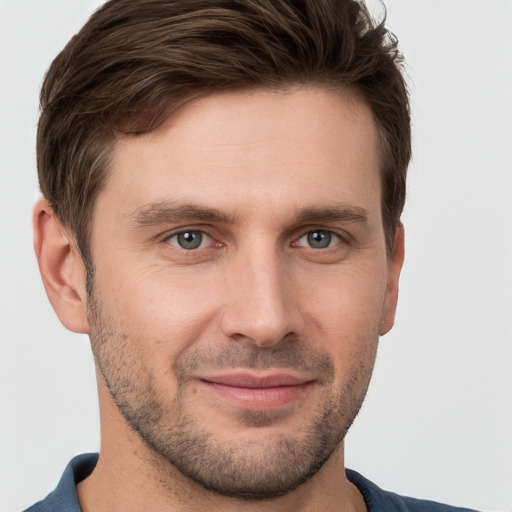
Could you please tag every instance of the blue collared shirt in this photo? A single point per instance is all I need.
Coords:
(65, 499)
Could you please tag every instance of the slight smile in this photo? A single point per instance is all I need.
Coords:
(258, 392)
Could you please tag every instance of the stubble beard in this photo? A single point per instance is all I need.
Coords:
(248, 470)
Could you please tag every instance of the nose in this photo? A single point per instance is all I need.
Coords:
(261, 305)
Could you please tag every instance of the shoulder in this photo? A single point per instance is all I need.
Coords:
(384, 501)
(64, 497)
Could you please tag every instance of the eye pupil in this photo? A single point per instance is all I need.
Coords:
(319, 239)
(190, 239)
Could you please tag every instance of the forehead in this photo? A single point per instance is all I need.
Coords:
(288, 147)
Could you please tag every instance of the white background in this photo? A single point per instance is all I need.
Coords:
(438, 419)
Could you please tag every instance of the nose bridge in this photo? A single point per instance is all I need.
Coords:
(259, 307)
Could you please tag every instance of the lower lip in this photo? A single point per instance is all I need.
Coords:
(259, 399)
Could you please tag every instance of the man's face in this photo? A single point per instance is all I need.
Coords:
(241, 283)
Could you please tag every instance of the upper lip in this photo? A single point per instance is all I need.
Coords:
(247, 380)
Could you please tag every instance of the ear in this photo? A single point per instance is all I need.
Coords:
(394, 269)
(61, 267)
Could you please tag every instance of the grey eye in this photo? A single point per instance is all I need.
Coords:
(319, 239)
(189, 240)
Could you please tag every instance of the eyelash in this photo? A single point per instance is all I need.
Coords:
(199, 232)
(329, 234)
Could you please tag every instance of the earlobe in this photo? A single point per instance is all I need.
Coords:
(61, 267)
(394, 269)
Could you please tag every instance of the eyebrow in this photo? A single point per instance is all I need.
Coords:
(169, 212)
(334, 213)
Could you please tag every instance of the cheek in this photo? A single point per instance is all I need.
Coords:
(348, 296)
(167, 311)
(346, 309)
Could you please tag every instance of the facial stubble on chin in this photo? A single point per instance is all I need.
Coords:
(248, 470)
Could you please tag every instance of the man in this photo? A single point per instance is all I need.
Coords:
(223, 183)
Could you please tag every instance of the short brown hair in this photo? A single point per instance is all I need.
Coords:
(134, 62)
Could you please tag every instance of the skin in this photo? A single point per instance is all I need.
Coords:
(257, 173)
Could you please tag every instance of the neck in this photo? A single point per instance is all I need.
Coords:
(134, 482)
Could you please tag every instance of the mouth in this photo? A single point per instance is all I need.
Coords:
(262, 392)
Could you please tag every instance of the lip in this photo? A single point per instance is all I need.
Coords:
(258, 392)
